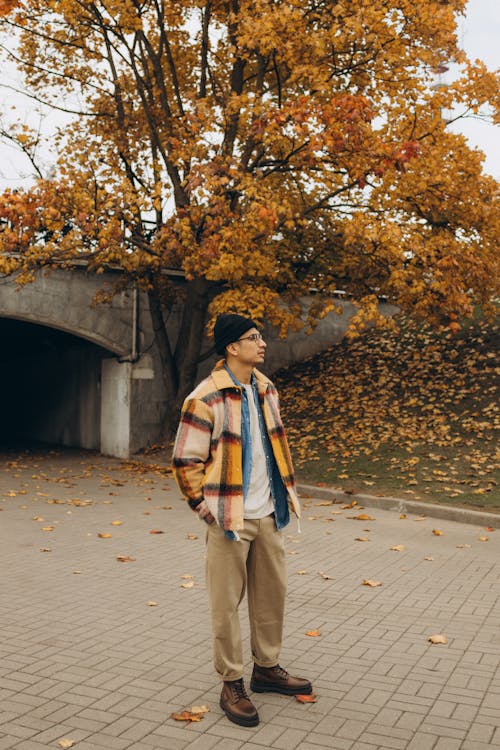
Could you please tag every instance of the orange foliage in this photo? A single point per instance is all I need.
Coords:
(263, 148)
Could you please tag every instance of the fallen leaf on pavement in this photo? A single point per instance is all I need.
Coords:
(125, 558)
(188, 585)
(200, 709)
(361, 539)
(398, 547)
(152, 604)
(371, 583)
(313, 633)
(156, 531)
(437, 639)
(428, 558)
(306, 698)
(45, 549)
(116, 523)
(105, 536)
(403, 515)
(325, 576)
(484, 539)
(65, 744)
(47, 528)
(437, 532)
(361, 517)
(463, 546)
(302, 572)
(186, 716)
(192, 536)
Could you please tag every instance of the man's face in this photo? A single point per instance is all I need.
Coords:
(251, 348)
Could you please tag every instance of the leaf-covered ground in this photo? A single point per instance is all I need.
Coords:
(413, 414)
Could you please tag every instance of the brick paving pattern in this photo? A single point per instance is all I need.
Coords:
(85, 657)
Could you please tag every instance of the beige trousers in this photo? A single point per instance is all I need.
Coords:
(255, 565)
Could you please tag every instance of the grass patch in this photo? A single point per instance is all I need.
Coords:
(413, 414)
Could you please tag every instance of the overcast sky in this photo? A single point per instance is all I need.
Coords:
(479, 35)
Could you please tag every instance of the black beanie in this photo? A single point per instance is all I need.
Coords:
(230, 327)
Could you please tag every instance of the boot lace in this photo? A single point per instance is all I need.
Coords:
(280, 672)
(238, 689)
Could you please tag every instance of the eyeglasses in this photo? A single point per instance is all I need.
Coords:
(252, 337)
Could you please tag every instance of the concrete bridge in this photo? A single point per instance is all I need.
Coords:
(89, 376)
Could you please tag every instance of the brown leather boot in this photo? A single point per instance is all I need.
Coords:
(236, 704)
(277, 680)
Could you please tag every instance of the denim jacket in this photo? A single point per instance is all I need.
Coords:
(278, 490)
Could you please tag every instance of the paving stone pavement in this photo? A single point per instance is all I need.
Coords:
(85, 657)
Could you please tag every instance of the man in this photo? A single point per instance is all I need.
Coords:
(233, 465)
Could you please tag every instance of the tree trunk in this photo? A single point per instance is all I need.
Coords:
(179, 367)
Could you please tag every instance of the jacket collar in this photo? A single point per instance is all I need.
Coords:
(222, 378)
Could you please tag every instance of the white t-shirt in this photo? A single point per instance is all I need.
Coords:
(258, 501)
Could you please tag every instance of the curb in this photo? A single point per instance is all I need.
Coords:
(462, 515)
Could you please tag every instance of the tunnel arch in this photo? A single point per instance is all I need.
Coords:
(65, 300)
(92, 337)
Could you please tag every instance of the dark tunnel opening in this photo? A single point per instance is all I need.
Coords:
(50, 381)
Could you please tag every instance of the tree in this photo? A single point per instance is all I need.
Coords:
(263, 147)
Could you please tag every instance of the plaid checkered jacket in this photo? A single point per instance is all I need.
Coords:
(207, 460)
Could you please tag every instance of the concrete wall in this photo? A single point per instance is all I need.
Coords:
(63, 300)
(95, 395)
(299, 345)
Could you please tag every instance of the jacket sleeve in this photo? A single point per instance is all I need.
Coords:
(192, 449)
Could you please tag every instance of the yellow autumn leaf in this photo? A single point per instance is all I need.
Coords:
(438, 639)
(371, 583)
(200, 709)
(189, 716)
